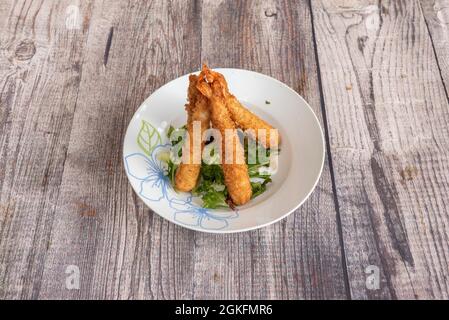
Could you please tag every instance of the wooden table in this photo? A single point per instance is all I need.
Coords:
(72, 73)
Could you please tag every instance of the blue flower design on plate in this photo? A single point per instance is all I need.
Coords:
(151, 172)
(196, 216)
(155, 186)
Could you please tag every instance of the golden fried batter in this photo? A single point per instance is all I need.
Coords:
(235, 173)
(197, 110)
(252, 124)
(245, 119)
(209, 100)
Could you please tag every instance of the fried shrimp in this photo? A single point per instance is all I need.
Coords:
(198, 114)
(257, 128)
(235, 172)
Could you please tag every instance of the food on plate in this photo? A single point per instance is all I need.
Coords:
(244, 119)
(230, 179)
(197, 109)
(235, 172)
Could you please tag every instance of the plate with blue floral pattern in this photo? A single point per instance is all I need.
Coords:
(299, 166)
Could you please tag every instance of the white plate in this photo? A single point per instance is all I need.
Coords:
(300, 162)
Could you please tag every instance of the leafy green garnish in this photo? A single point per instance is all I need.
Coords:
(171, 170)
(212, 172)
(176, 136)
(259, 187)
(214, 199)
(170, 131)
(211, 188)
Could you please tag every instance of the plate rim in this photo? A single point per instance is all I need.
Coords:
(317, 179)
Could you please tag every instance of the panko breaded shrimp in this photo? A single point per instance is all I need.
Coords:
(197, 110)
(249, 122)
(235, 174)
(245, 119)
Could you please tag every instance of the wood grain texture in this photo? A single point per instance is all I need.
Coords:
(299, 257)
(436, 15)
(65, 197)
(123, 250)
(124, 51)
(36, 113)
(72, 73)
(387, 115)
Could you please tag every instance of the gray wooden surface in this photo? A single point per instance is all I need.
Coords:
(72, 73)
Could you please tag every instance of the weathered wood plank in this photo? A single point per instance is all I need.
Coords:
(436, 14)
(299, 257)
(40, 70)
(121, 248)
(387, 114)
(88, 216)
